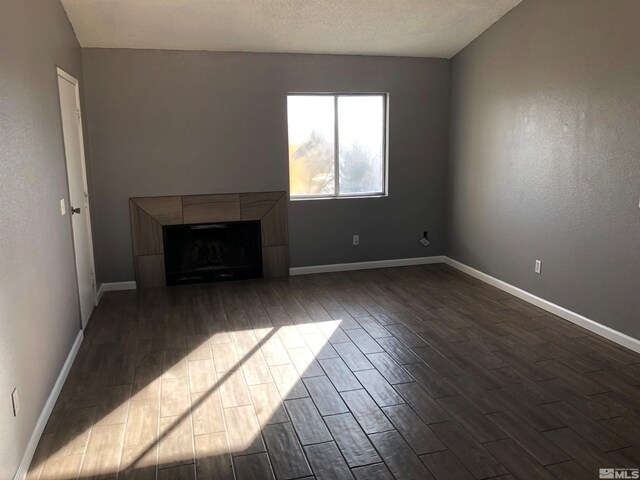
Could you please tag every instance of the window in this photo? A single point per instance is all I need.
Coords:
(337, 145)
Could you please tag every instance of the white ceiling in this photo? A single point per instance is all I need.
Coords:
(418, 28)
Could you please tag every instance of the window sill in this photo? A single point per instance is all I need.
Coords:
(342, 197)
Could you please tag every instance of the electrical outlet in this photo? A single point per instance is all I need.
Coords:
(15, 400)
(538, 267)
(63, 207)
(356, 239)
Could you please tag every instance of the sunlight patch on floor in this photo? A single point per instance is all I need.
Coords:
(176, 410)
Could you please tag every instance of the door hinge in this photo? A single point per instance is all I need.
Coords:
(79, 119)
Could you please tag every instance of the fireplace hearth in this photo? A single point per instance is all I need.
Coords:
(212, 252)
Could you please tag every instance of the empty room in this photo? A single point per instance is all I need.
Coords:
(319, 239)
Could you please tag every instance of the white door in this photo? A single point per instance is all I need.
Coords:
(78, 206)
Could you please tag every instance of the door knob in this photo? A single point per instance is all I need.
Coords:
(75, 210)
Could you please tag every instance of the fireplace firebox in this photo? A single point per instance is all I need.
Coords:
(212, 252)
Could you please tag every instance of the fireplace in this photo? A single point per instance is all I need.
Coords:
(212, 252)
(151, 216)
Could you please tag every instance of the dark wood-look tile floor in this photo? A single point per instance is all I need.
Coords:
(407, 373)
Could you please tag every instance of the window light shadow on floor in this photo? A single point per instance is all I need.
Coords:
(228, 369)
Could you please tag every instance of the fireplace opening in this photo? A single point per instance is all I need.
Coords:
(212, 252)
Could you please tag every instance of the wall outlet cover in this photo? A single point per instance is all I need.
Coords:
(356, 239)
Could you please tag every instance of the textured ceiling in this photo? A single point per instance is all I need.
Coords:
(420, 28)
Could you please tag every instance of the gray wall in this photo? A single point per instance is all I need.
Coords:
(169, 122)
(545, 155)
(39, 315)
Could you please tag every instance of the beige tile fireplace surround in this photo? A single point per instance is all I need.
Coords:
(150, 214)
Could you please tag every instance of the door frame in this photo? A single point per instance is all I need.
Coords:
(60, 73)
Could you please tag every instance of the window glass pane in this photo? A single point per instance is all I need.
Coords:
(360, 134)
(311, 144)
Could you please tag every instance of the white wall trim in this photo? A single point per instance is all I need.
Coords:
(344, 267)
(591, 325)
(114, 286)
(47, 409)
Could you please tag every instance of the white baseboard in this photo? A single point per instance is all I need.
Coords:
(47, 409)
(344, 267)
(114, 286)
(591, 325)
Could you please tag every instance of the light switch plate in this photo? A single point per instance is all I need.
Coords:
(63, 207)
(15, 400)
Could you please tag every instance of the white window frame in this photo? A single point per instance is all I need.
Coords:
(336, 155)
